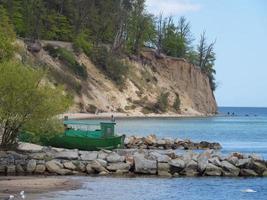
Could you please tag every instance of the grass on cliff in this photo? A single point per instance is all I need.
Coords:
(68, 58)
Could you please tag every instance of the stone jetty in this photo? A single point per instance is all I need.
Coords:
(152, 142)
(35, 160)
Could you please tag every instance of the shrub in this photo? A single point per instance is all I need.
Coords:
(68, 58)
(177, 103)
(162, 103)
(114, 68)
(82, 43)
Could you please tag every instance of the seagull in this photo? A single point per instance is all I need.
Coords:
(249, 190)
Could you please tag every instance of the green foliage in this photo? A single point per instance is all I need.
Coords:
(177, 103)
(68, 58)
(162, 103)
(115, 68)
(81, 43)
(26, 102)
(206, 58)
(7, 37)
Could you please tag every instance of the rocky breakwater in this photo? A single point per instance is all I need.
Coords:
(165, 163)
(152, 142)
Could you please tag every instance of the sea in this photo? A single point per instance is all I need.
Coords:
(236, 129)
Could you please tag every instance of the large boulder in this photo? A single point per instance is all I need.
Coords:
(54, 166)
(118, 166)
(150, 140)
(19, 169)
(159, 157)
(229, 169)
(31, 166)
(177, 165)
(11, 169)
(88, 155)
(258, 167)
(69, 165)
(67, 154)
(40, 169)
(212, 170)
(143, 165)
(203, 160)
(248, 172)
(95, 165)
(243, 163)
(215, 161)
(114, 157)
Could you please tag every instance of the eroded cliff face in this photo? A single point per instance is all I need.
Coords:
(148, 77)
(187, 80)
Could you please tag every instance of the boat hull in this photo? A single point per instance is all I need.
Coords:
(75, 142)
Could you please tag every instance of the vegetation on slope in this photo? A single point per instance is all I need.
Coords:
(26, 102)
(124, 25)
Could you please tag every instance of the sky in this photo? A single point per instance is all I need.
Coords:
(240, 30)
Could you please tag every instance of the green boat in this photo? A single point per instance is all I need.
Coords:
(84, 136)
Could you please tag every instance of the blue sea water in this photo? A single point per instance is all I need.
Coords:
(245, 131)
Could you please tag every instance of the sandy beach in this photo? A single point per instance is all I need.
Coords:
(13, 185)
(127, 115)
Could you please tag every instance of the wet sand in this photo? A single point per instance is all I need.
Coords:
(14, 185)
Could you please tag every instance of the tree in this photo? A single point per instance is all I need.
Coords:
(206, 58)
(7, 36)
(26, 102)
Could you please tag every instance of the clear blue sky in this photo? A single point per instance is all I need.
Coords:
(240, 30)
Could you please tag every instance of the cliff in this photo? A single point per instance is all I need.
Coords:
(147, 79)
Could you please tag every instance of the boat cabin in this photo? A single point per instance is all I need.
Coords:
(89, 129)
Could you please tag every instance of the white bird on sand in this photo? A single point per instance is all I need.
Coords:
(11, 196)
(249, 190)
(22, 194)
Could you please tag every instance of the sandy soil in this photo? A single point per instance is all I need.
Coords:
(14, 185)
(124, 115)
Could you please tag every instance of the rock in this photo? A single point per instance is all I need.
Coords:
(233, 160)
(98, 167)
(118, 166)
(192, 165)
(2, 169)
(114, 157)
(88, 155)
(102, 162)
(150, 140)
(229, 169)
(258, 167)
(161, 142)
(189, 172)
(177, 165)
(164, 174)
(203, 160)
(69, 165)
(159, 157)
(212, 170)
(243, 162)
(23, 146)
(264, 173)
(67, 154)
(256, 157)
(81, 167)
(19, 169)
(103, 173)
(38, 156)
(31, 166)
(11, 169)
(248, 172)
(163, 167)
(54, 166)
(215, 161)
(143, 165)
(40, 169)
(89, 169)
(121, 172)
(102, 155)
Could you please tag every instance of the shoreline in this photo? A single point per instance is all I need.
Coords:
(84, 116)
(13, 185)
